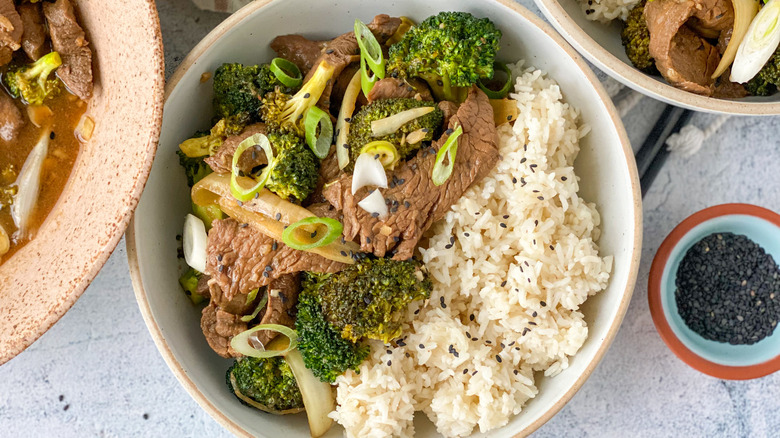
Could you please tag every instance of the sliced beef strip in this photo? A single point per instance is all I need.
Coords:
(415, 202)
(11, 31)
(34, 36)
(299, 50)
(219, 327)
(392, 88)
(202, 288)
(329, 171)
(241, 258)
(340, 88)
(11, 118)
(282, 299)
(682, 57)
(712, 16)
(69, 40)
(222, 160)
(449, 109)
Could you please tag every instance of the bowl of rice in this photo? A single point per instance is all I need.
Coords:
(532, 269)
(593, 27)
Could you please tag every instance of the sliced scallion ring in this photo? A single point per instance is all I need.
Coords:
(240, 342)
(441, 172)
(367, 77)
(370, 50)
(498, 94)
(259, 307)
(287, 72)
(334, 229)
(240, 192)
(387, 153)
(318, 120)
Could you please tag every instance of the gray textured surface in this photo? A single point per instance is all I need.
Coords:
(101, 360)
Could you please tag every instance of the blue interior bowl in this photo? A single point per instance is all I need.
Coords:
(761, 231)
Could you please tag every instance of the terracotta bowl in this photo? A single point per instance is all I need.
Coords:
(43, 279)
(606, 167)
(600, 44)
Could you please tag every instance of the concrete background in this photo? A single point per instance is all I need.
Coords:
(97, 372)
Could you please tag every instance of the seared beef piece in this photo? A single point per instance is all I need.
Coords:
(219, 327)
(449, 109)
(725, 89)
(282, 299)
(11, 31)
(11, 119)
(711, 17)
(324, 209)
(68, 38)
(329, 171)
(391, 88)
(202, 288)
(241, 258)
(299, 50)
(415, 202)
(34, 36)
(222, 160)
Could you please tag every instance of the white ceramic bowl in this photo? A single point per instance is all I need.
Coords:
(600, 44)
(606, 166)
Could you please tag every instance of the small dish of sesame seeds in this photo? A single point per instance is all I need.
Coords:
(714, 291)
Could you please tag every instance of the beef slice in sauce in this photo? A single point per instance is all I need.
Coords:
(414, 201)
(69, 39)
(391, 88)
(11, 118)
(11, 31)
(240, 258)
(222, 160)
(219, 327)
(34, 35)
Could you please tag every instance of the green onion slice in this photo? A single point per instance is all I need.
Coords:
(317, 118)
(334, 229)
(287, 72)
(367, 78)
(240, 342)
(388, 154)
(442, 172)
(251, 296)
(259, 307)
(370, 50)
(499, 94)
(240, 192)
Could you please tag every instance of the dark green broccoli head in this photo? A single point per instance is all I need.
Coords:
(360, 128)
(189, 282)
(636, 39)
(448, 50)
(324, 351)
(194, 168)
(766, 82)
(238, 89)
(369, 299)
(268, 382)
(34, 83)
(296, 168)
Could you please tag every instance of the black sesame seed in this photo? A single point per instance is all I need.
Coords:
(509, 117)
(466, 371)
(563, 178)
(401, 343)
(278, 216)
(265, 274)
(531, 323)
(503, 225)
(389, 362)
(66, 407)
(62, 397)
(514, 180)
(506, 216)
(471, 317)
(474, 373)
(146, 416)
(523, 160)
(343, 253)
(498, 359)
(466, 234)
(488, 342)
(441, 301)
(515, 371)
(329, 51)
(421, 346)
(534, 314)
(449, 131)
(448, 246)
(503, 283)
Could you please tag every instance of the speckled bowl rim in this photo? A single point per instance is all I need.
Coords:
(656, 308)
(243, 13)
(639, 81)
(80, 285)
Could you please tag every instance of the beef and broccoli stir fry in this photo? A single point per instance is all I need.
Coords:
(46, 68)
(315, 186)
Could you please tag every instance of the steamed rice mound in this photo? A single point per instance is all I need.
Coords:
(607, 10)
(511, 264)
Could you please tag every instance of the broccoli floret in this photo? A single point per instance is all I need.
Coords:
(32, 82)
(766, 82)
(369, 299)
(189, 282)
(324, 351)
(194, 168)
(238, 89)
(360, 128)
(296, 169)
(207, 143)
(451, 51)
(282, 111)
(636, 39)
(269, 383)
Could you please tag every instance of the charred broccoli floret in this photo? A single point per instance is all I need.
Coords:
(189, 282)
(204, 144)
(282, 111)
(369, 299)
(34, 82)
(451, 51)
(238, 89)
(636, 39)
(266, 384)
(324, 351)
(767, 81)
(360, 132)
(195, 169)
(296, 168)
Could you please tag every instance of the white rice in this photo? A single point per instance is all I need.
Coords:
(607, 10)
(546, 254)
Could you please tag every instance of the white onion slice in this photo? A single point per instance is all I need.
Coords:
(29, 184)
(761, 41)
(317, 396)
(194, 241)
(389, 125)
(374, 204)
(368, 172)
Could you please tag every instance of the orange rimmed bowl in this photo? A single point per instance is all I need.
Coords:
(717, 359)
